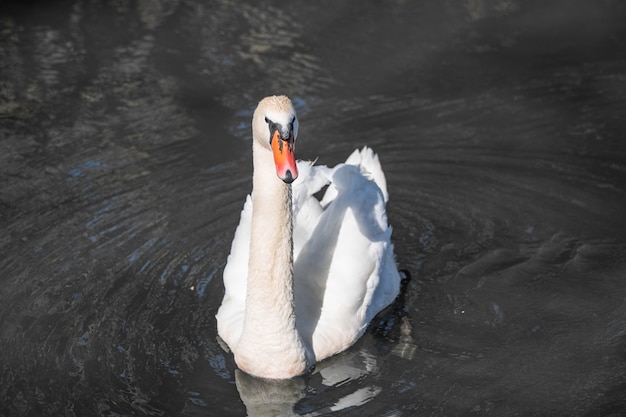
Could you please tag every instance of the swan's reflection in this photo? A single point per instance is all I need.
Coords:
(278, 398)
(405, 347)
(269, 398)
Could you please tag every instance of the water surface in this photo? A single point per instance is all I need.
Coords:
(125, 160)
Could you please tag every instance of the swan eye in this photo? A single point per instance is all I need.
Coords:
(268, 121)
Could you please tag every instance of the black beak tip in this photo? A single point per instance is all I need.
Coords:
(288, 177)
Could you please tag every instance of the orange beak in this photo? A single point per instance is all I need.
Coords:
(284, 157)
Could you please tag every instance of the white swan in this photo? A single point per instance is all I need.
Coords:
(304, 277)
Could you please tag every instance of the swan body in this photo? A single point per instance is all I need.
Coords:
(304, 277)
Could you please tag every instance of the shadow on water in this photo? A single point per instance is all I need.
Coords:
(125, 160)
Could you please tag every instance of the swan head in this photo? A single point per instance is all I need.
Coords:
(275, 128)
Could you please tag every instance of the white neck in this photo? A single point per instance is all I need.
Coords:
(270, 345)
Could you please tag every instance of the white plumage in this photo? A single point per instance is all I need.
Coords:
(294, 297)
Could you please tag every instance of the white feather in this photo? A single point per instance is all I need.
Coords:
(344, 270)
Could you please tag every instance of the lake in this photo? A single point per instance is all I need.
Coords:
(125, 159)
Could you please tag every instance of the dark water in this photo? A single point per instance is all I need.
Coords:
(125, 160)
